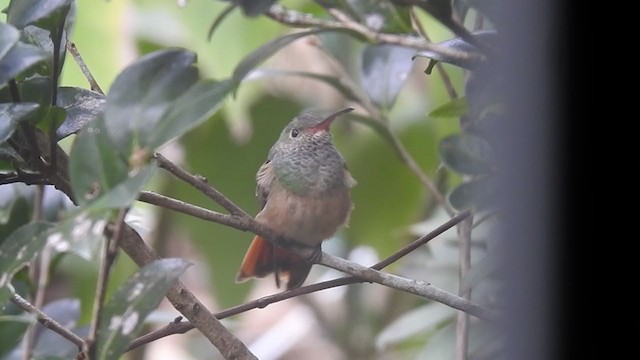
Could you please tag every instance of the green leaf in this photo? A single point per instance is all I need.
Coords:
(467, 154)
(82, 107)
(414, 322)
(20, 248)
(479, 194)
(461, 45)
(18, 59)
(9, 36)
(192, 108)
(11, 115)
(143, 92)
(81, 232)
(124, 315)
(54, 116)
(385, 69)
(452, 109)
(26, 12)
(100, 176)
(42, 38)
(219, 19)
(335, 82)
(267, 50)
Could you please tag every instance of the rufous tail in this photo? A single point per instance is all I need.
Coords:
(262, 259)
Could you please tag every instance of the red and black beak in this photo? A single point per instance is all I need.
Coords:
(324, 124)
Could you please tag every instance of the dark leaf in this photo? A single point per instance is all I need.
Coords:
(54, 116)
(486, 36)
(385, 69)
(143, 92)
(41, 38)
(17, 250)
(254, 7)
(467, 154)
(454, 108)
(100, 176)
(478, 194)
(20, 58)
(190, 109)
(267, 50)
(26, 12)
(50, 344)
(82, 106)
(335, 82)
(124, 314)
(11, 115)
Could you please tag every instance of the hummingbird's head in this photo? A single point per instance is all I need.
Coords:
(309, 127)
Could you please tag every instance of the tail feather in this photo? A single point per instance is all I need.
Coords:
(262, 259)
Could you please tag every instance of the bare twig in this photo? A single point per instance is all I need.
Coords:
(200, 183)
(71, 47)
(46, 321)
(182, 327)
(110, 253)
(464, 264)
(345, 23)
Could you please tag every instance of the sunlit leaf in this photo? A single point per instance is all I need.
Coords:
(267, 50)
(124, 314)
(467, 154)
(11, 115)
(25, 12)
(385, 69)
(82, 106)
(454, 108)
(20, 248)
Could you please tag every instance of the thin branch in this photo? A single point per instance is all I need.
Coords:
(46, 321)
(345, 23)
(200, 183)
(110, 253)
(178, 327)
(71, 47)
(446, 80)
(464, 264)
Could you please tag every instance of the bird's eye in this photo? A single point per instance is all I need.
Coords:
(294, 133)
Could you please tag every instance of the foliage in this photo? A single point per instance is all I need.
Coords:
(97, 150)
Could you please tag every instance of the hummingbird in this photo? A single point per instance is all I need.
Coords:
(303, 194)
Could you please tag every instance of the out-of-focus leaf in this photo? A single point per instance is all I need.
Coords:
(54, 116)
(416, 321)
(488, 265)
(487, 36)
(192, 108)
(9, 36)
(18, 59)
(254, 7)
(454, 108)
(49, 344)
(467, 154)
(223, 15)
(82, 106)
(335, 82)
(125, 192)
(385, 69)
(11, 115)
(124, 314)
(25, 12)
(21, 247)
(267, 50)
(479, 194)
(382, 15)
